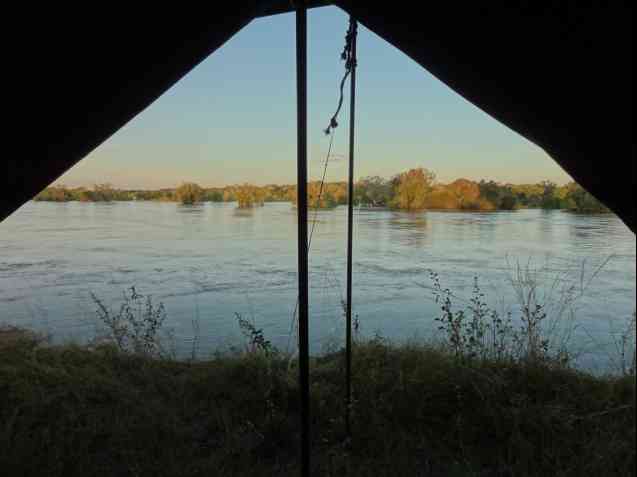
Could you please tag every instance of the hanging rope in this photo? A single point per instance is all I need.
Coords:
(348, 56)
(350, 63)
(314, 221)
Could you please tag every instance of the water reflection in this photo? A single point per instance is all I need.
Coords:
(546, 222)
(408, 228)
(245, 213)
(190, 209)
(593, 232)
(409, 220)
(467, 226)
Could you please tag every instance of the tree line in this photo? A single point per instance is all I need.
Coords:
(413, 190)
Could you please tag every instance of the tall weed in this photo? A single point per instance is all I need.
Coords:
(136, 326)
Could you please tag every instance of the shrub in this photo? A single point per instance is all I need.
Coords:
(136, 326)
(475, 331)
(255, 337)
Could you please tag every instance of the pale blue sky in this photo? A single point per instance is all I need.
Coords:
(232, 119)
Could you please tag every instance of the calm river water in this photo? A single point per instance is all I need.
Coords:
(208, 262)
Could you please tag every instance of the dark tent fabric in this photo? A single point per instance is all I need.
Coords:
(558, 73)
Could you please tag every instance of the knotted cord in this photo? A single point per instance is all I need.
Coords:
(350, 63)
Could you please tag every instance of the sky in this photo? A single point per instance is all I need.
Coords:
(232, 119)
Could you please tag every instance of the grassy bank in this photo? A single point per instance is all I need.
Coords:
(72, 411)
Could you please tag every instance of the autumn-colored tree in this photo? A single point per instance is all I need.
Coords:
(276, 193)
(85, 195)
(337, 191)
(318, 197)
(229, 194)
(465, 191)
(54, 194)
(189, 193)
(249, 196)
(412, 189)
(460, 194)
(259, 196)
(290, 192)
(441, 197)
(415, 189)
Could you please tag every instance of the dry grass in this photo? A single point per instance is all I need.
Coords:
(71, 411)
(11, 335)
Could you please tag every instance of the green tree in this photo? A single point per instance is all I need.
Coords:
(550, 199)
(582, 201)
(501, 196)
(103, 193)
(528, 195)
(213, 195)
(373, 191)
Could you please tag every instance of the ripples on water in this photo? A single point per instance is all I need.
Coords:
(213, 260)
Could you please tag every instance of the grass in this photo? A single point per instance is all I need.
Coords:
(78, 411)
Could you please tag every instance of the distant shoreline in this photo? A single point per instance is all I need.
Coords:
(358, 207)
(412, 190)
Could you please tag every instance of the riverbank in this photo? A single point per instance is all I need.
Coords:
(211, 261)
(413, 190)
(366, 207)
(417, 411)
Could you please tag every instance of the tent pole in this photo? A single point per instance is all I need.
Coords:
(350, 220)
(301, 167)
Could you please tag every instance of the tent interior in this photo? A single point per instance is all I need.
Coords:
(559, 74)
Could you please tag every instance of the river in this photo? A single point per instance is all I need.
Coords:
(208, 262)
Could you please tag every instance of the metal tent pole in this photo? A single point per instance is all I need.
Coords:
(301, 167)
(350, 220)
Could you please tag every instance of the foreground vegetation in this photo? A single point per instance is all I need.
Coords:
(413, 190)
(417, 410)
(494, 395)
